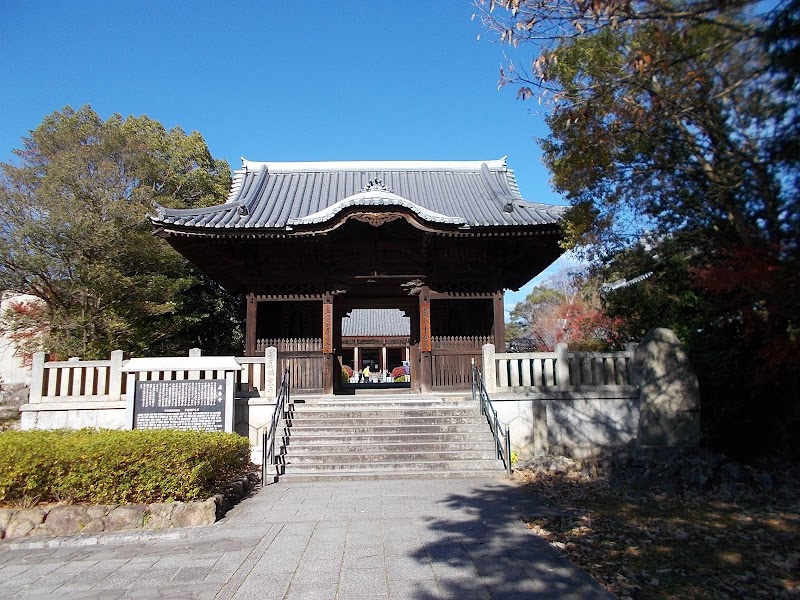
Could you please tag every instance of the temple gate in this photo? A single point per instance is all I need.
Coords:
(310, 242)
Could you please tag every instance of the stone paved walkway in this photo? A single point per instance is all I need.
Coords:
(411, 539)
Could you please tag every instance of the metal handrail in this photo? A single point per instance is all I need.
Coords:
(502, 437)
(279, 414)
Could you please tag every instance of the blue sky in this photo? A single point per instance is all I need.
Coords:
(282, 81)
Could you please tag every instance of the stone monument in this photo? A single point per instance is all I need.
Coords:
(670, 394)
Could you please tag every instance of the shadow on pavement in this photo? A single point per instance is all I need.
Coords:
(485, 551)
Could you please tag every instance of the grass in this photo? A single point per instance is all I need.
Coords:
(703, 545)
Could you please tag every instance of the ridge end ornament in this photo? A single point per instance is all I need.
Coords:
(376, 184)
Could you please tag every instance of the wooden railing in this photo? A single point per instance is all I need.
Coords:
(452, 357)
(290, 344)
(302, 357)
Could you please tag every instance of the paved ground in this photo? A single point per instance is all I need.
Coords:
(412, 539)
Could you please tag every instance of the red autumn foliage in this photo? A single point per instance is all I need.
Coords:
(755, 290)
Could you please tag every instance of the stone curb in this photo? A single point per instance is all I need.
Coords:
(79, 521)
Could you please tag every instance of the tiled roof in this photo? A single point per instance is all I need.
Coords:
(275, 195)
(376, 322)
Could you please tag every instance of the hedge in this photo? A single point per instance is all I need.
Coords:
(117, 467)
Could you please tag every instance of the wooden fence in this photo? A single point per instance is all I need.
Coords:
(451, 360)
(303, 357)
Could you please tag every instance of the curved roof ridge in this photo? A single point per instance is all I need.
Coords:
(374, 165)
(375, 198)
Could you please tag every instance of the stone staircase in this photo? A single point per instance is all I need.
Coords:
(386, 437)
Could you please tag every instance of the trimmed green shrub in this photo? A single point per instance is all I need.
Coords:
(117, 467)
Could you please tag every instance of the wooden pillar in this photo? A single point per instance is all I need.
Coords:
(425, 342)
(250, 326)
(327, 345)
(499, 325)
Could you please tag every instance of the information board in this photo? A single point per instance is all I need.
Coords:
(193, 405)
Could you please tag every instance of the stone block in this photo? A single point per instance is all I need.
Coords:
(159, 516)
(28, 420)
(62, 520)
(194, 514)
(98, 511)
(113, 418)
(129, 516)
(79, 419)
(52, 419)
(5, 516)
(94, 526)
(583, 428)
(23, 522)
(670, 394)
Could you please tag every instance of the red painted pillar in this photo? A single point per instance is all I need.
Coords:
(425, 342)
(327, 345)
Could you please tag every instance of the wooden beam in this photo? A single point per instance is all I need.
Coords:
(250, 326)
(499, 325)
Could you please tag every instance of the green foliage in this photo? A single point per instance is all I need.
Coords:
(115, 467)
(73, 213)
(678, 123)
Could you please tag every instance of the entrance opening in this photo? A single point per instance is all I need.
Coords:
(376, 348)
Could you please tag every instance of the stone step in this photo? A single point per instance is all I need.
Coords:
(347, 437)
(385, 437)
(343, 428)
(400, 420)
(415, 465)
(382, 412)
(400, 398)
(301, 447)
(384, 457)
(385, 475)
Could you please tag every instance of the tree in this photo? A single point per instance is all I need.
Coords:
(566, 309)
(678, 122)
(75, 234)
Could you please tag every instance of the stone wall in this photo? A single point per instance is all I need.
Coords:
(66, 519)
(580, 425)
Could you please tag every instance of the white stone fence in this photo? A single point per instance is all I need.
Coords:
(94, 393)
(526, 372)
(580, 404)
(571, 403)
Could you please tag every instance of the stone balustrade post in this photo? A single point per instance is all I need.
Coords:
(115, 376)
(37, 377)
(489, 369)
(562, 367)
(630, 375)
(194, 375)
(271, 375)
